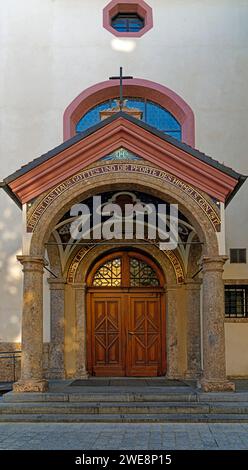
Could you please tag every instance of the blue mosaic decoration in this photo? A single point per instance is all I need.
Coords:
(152, 113)
(121, 154)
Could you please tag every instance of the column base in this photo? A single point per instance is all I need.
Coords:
(31, 385)
(216, 385)
(55, 374)
(172, 376)
(192, 374)
(82, 374)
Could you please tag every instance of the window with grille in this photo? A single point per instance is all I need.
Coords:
(141, 274)
(109, 274)
(127, 22)
(128, 18)
(125, 271)
(236, 301)
(152, 113)
(238, 255)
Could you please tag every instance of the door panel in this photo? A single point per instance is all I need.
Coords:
(107, 335)
(125, 334)
(144, 336)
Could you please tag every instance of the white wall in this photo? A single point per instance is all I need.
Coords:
(51, 50)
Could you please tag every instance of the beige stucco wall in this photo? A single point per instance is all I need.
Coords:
(237, 348)
(236, 271)
(51, 50)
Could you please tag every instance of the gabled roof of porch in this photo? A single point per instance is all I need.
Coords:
(122, 130)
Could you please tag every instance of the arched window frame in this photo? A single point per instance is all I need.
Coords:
(125, 257)
(153, 91)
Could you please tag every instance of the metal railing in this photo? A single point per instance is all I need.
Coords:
(13, 355)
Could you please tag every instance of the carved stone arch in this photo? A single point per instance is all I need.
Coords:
(121, 180)
(80, 262)
(54, 257)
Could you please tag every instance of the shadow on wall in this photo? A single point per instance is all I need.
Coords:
(10, 270)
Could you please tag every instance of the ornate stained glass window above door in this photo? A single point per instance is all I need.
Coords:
(152, 113)
(138, 273)
(141, 274)
(109, 274)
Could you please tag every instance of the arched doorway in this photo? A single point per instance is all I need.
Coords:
(126, 316)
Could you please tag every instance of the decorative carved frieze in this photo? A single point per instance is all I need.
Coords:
(83, 176)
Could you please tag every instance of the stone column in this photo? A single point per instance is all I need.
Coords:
(193, 305)
(32, 379)
(81, 336)
(214, 361)
(57, 347)
(172, 332)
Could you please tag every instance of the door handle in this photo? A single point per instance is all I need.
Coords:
(131, 333)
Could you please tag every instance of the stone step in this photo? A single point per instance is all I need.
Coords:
(103, 408)
(223, 397)
(122, 396)
(116, 408)
(125, 418)
(229, 407)
(89, 396)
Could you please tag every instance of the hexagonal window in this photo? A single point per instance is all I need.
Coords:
(132, 18)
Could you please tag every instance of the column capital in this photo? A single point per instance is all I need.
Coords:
(56, 283)
(32, 263)
(174, 286)
(213, 263)
(79, 286)
(192, 284)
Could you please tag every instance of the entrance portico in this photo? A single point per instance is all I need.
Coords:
(164, 169)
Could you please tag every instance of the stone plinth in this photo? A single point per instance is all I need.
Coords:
(217, 386)
(30, 386)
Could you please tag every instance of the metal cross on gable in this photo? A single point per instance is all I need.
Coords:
(121, 78)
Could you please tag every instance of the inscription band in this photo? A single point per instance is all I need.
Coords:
(35, 215)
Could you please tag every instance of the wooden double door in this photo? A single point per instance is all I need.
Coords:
(126, 334)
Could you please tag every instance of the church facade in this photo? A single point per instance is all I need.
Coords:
(125, 305)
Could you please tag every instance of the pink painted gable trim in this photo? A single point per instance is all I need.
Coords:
(116, 134)
(117, 6)
(137, 87)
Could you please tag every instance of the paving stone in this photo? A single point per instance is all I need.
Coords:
(129, 436)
